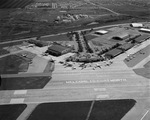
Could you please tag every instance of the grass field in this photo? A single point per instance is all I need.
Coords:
(130, 7)
(20, 83)
(11, 112)
(14, 3)
(41, 21)
(103, 110)
(3, 52)
(13, 64)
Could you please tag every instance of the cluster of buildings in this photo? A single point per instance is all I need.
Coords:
(66, 18)
(123, 42)
(54, 5)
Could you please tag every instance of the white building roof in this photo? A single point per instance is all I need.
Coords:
(136, 24)
(102, 31)
(144, 29)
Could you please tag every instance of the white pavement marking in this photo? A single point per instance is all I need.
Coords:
(89, 113)
(102, 96)
(16, 100)
(145, 114)
(99, 89)
(20, 92)
(95, 81)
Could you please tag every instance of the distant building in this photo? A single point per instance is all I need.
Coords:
(142, 38)
(132, 37)
(101, 32)
(145, 30)
(37, 42)
(121, 36)
(58, 50)
(136, 25)
(113, 53)
(126, 46)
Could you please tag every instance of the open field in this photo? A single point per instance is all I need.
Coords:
(13, 64)
(14, 3)
(11, 112)
(20, 83)
(3, 52)
(83, 110)
(135, 8)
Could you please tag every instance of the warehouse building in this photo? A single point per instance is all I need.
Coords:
(136, 25)
(58, 50)
(37, 43)
(144, 30)
(101, 32)
(125, 46)
(121, 36)
(142, 38)
(113, 53)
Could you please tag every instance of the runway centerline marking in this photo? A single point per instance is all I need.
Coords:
(20, 92)
(99, 89)
(96, 81)
(16, 100)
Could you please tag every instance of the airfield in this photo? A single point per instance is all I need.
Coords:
(43, 44)
(105, 80)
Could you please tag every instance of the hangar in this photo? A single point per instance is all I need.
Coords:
(113, 53)
(126, 46)
(58, 50)
(142, 38)
(121, 36)
(136, 25)
(37, 43)
(144, 30)
(101, 32)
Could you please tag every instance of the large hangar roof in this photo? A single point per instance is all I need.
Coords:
(142, 38)
(121, 36)
(126, 46)
(113, 52)
(58, 48)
